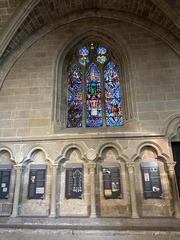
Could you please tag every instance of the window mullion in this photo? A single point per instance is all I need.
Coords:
(103, 97)
(84, 113)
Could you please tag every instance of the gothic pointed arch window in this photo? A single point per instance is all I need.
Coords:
(93, 96)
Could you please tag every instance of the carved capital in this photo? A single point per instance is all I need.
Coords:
(171, 166)
(18, 168)
(54, 166)
(130, 165)
(92, 167)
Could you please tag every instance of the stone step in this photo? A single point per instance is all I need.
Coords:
(57, 234)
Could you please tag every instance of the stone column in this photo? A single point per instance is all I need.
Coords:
(18, 172)
(172, 177)
(92, 168)
(130, 167)
(53, 190)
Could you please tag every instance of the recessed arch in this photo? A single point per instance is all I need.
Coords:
(155, 147)
(29, 156)
(9, 151)
(67, 149)
(116, 147)
(172, 125)
(120, 54)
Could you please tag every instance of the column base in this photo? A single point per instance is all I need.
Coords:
(14, 215)
(52, 215)
(135, 215)
(93, 215)
(177, 215)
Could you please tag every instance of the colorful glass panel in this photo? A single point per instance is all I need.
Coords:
(101, 55)
(83, 56)
(74, 82)
(93, 95)
(113, 109)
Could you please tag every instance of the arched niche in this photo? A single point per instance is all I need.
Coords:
(72, 200)
(7, 181)
(36, 166)
(152, 184)
(113, 198)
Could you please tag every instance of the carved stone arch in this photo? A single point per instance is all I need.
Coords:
(9, 151)
(114, 146)
(29, 156)
(155, 147)
(119, 51)
(66, 150)
(172, 126)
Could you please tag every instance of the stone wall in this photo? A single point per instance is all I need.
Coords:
(26, 99)
(57, 154)
(7, 8)
(27, 107)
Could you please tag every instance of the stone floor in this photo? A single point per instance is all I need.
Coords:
(26, 228)
(43, 234)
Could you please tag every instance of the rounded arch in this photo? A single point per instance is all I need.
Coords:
(29, 156)
(9, 151)
(120, 55)
(172, 125)
(155, 147)
(67, 149)
(117, 149)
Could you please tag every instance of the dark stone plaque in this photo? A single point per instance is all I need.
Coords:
(111, 182)
(36, 189)
(151, 180)
(74, 183)
(5, 176)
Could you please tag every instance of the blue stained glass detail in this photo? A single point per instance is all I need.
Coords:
(74, 82)
(101, 50)
(113, 110)
(93, 94)
(101, 55)
(114, 115)
(83, 56)
(93, 87)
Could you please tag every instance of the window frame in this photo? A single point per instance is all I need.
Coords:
(119, 56)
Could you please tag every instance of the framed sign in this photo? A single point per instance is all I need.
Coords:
(111, 182)
(5, 177)
(74, 183)
(37, 178)
(151, 180)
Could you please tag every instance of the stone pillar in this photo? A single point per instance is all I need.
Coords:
(18, 172)
(130, 167)
(53, 190)
(172, 177)
(92, 168)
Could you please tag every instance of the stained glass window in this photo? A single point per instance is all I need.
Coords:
(83, 58)
(112, 96)
(93, 84)
(93, 93)
(101, 55)
(74, 97)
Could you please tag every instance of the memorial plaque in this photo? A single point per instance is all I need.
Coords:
(151, 180)
(74, 183)
(5, 175)
(111, 182)
(36, 189)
